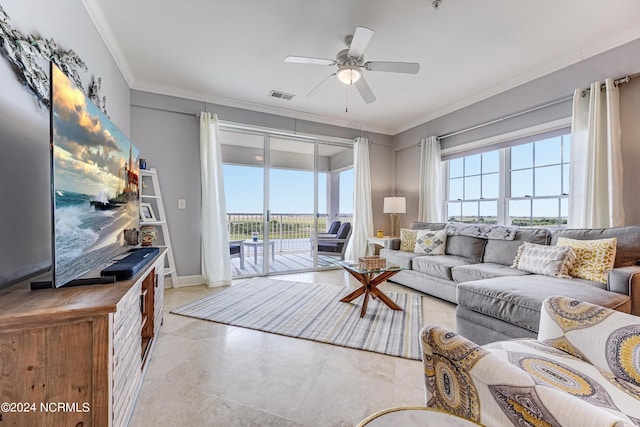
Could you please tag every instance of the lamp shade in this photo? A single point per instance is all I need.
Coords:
(395, 205)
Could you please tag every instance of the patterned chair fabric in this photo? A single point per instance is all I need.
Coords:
(582, 371)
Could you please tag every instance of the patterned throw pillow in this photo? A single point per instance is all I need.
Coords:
(407, 239)
(595, 258)
(555, 261)
(431, 242)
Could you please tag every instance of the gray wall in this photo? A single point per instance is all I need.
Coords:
(167, 133)
(25, 211)
(615, 63)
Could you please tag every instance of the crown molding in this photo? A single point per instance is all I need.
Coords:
(100, 21)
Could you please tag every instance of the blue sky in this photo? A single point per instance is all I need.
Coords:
(291, 191)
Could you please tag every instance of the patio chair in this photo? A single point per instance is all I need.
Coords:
(335, 246)
(236, 250)
(331, 232)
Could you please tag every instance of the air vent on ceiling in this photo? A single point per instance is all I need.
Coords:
(281, 95)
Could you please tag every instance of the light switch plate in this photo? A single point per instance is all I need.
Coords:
(182, 204)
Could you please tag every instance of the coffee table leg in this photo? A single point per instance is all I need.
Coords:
(363, 310)
(385, 299)
(353, 295)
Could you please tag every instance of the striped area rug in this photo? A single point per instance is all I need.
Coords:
(313, 311)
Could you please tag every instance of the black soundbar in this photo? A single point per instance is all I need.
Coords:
(130, 265)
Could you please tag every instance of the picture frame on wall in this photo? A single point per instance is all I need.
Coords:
(146, 212)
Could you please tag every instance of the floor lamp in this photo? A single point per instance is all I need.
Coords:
(394, 206)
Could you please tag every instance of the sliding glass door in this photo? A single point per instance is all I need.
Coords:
(281, 191)
(292, 200)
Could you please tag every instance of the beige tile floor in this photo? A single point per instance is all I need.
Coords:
(208, 374)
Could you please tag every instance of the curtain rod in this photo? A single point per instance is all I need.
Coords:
(617, 82)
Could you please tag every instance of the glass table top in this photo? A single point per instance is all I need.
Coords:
(354, 265)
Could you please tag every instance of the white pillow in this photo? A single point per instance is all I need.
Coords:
(431, 242)
(555, 261)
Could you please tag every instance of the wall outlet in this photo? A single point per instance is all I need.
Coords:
(182, 204)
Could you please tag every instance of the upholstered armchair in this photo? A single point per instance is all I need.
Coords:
(583, 370)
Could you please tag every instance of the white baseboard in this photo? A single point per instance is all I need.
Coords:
(193, 280)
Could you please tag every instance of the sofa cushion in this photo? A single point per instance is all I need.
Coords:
(408, 239)
(504, 251)
(594, 258)
(553, 261)
(430, 242)
(518, 300)
(466, 247)
(438, 265)
(401, 258)
(627, 250)
(468, 273)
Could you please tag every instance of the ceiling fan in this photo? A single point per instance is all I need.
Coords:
(350, 62)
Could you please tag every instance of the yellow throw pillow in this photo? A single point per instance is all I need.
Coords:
(595, 258)
(408, 239)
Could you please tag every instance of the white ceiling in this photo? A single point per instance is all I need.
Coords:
(231, 51)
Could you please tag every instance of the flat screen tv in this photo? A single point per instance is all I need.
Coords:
(95, 183)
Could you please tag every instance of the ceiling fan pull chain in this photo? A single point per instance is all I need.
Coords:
(346, 102)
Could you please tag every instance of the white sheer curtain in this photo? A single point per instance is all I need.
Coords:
(362, 211)
(216, 260)
(595, 193)
(430, 192)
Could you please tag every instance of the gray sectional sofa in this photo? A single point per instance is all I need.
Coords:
(496, 301)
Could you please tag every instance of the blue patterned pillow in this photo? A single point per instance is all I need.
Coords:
(431, 242)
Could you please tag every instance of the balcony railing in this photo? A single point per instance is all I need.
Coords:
(291, 232)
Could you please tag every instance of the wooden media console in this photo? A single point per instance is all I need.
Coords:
(76, 356)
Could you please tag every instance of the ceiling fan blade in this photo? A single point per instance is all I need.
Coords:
(365, 90)
(393, 67)
(313, 91)
(361, 39)
(306, 60)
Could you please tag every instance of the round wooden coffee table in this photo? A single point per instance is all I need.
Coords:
(415, 417)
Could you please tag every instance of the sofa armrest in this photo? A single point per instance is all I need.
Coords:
(470, 381)
(626, 281)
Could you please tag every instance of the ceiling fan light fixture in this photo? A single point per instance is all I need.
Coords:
(349, 75)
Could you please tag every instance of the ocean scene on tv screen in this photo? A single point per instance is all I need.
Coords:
(95, 180)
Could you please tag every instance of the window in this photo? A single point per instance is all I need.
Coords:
(524, 185)
(539, 179)
(474, 183)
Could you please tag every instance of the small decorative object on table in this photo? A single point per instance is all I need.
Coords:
(380, 233)
(254, 236)
(148, 235)
(131, 236)
(371, 262)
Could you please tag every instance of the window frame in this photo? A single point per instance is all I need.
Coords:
(505, 174)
